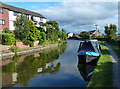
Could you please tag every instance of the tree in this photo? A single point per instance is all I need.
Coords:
(42, 27)
(52, 30)
(43, 37)
(85, 35)
(25, 29)
(6, 30)
(64, 36)
(21, 27)
(34, 33)
(110, 31)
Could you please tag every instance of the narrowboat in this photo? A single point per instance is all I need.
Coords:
(89, 51)
(86, 70)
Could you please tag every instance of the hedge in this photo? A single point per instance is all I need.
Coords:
(8, 38)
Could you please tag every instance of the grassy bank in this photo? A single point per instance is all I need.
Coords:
(102, 76)
(116, 48)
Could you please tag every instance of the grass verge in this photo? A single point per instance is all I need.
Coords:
(102, 76)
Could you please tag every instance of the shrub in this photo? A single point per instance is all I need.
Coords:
(14, 49)
(8, 38)
(6, 30)
(28, 42)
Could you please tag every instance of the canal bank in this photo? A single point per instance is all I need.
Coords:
(28, 51)
(103, 73)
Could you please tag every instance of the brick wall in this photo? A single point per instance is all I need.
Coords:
(21, 45)
(5, 47)
(4, 16)
(36, 43)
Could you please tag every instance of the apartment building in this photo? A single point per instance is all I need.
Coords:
(9, 13)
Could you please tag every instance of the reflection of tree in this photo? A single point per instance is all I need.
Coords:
(62, 48)
(28, 68)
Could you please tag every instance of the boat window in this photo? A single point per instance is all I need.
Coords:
(87, 46)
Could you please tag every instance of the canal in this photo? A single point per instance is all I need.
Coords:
(58, 67)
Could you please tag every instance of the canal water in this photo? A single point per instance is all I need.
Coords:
(58, 67)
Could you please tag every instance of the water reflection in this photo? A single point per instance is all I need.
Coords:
(23, 68)
(52, 68)
(86, 69)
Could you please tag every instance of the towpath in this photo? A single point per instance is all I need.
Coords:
(116, 67)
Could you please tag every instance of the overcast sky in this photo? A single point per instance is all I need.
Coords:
(75, 16)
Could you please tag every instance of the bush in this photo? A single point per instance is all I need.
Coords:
(6, 30)
(14, 49)
(27, 42)
(8, 38)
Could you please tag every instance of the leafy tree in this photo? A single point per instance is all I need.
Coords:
(21, 27)
(34, 33)
(64, 36)
(43, 37)
(25, 29)
(6, 30)
(42, 26)
(52, 30)
(85, 35)
(111, 31)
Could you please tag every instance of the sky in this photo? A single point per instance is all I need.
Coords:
(75, 16)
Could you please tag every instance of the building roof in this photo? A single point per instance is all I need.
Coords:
(92, 31)
(20, 10)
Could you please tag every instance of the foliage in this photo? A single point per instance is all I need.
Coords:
(21, 27)
(28, 42)
(110, 31)
(34, 33)
(6, 30)
(52, 30)
(102, 76)
(63, 35)
(8, 38)
(25, 30)
(43, 38)
(85, 35)
(15, 49)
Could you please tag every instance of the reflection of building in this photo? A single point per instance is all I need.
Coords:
(9, 79)
(9, 13)
(40, 69)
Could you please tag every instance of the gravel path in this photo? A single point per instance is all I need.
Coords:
(116, 68)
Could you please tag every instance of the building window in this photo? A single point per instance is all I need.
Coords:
(13, 23)
(1, 10)
(2, 22)
(41, 19)
(16, 13)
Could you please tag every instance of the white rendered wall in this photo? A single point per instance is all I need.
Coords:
(11, 25)
(12, 18)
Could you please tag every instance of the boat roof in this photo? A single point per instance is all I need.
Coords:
(91, 40)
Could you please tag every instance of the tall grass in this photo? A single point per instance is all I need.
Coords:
(102, 76)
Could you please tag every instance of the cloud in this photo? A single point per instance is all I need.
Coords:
(73, 15)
